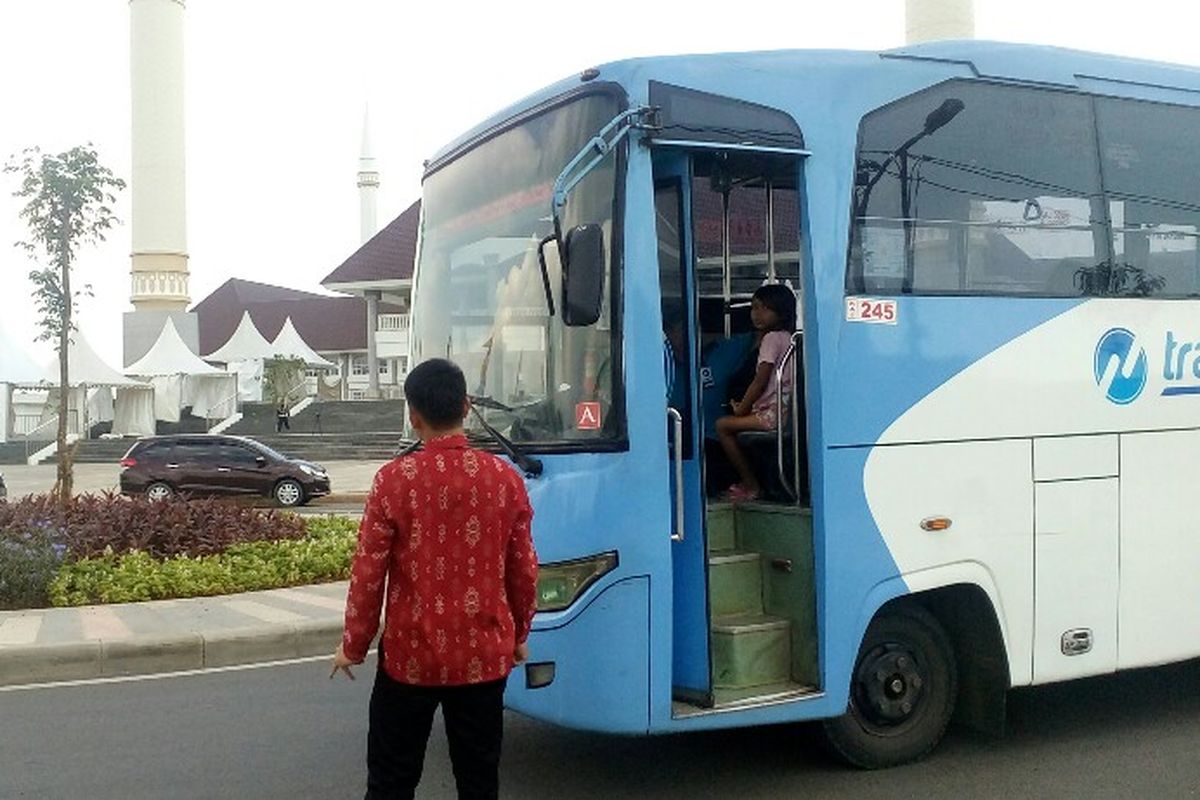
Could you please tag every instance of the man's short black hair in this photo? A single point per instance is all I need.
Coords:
(436, 389)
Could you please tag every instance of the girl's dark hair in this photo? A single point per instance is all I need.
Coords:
(436, 389)
(782, 301)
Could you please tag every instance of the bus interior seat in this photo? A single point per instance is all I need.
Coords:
(760, 449)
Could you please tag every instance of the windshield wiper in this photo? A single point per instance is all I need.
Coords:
(532, 467)
(483, 401)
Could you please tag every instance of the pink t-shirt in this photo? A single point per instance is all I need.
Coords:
(771, 350)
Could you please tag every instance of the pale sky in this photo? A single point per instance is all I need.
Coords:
(276, 90)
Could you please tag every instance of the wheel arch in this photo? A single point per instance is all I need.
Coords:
(964, 601)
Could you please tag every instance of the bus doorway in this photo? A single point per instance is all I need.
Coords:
(744, 617)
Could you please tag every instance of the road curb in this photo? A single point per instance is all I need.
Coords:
(45, 663)
(338, 498)
(152, 655)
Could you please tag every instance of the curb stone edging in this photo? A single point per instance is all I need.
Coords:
(148, 655)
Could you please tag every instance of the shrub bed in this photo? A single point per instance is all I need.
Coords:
(91, 525)
(109, 549)
(323, 555)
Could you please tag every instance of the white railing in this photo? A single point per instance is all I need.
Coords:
(393, 322)
(26, 423)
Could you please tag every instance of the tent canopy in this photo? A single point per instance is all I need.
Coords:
(290, 344)
(170, 356)
(85, 367)
(246, 344)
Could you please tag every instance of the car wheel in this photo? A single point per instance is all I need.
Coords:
(159, 491)
(902, 694)
(289, 493)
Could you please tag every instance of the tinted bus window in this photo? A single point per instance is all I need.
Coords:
(974, 188)
(1151, 175)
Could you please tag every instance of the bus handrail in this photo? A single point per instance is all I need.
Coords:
(792, 487)
(677, 439)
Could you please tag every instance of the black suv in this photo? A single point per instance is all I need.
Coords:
(208, 464)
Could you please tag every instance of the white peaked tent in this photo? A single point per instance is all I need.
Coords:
(16, 367)
(85, 367)
(244, 355)
(182, 380)
(170, 356)
(92, 383)
(246, 344)
(290, 344)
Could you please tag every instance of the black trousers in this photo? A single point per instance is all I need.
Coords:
(401, 718)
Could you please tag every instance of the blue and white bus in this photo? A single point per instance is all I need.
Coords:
(983, 478)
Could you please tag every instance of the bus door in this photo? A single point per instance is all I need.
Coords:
(744, 595)
(691, 672)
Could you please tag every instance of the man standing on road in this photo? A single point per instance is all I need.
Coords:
(449, 529)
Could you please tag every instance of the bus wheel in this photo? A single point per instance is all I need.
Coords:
(902, 694)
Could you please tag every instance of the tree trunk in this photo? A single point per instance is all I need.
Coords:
(64, 481)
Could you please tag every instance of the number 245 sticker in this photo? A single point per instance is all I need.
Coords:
(864, 309)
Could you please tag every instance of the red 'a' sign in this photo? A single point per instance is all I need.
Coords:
(587, 416)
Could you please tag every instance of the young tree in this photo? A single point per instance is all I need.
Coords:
(283, 379)
(69, 197)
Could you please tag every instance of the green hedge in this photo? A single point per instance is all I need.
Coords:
(324, 554)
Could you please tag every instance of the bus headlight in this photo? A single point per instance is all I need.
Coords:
(561, 582)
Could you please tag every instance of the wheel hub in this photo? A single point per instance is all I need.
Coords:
(889, 685)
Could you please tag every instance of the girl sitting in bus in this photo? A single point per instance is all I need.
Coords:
(773, 314)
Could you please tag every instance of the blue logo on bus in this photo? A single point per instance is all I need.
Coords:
(1127, 380)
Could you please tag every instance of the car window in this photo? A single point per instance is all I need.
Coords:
(154, 451)
(236, 454)
(195, 452)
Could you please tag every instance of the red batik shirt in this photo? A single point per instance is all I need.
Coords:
(448, 527)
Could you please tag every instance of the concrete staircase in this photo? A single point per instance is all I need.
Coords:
(333, 447)
(762, 602)
(325, 417)
(102, 451)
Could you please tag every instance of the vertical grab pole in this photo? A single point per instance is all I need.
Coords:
(797, 366)
(791, 487)
(726, 262)
(677, 458)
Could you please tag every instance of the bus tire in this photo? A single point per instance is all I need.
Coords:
(902, 692)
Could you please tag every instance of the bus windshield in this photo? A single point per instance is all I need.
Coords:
(479, 297)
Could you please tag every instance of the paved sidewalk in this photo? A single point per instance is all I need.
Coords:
(60, 644)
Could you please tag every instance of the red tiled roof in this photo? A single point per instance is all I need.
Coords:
(388, 255)
(325, 323)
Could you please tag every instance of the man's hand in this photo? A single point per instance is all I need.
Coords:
(521, 654)
(340, 661)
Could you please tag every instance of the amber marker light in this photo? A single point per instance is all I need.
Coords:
(936, 524)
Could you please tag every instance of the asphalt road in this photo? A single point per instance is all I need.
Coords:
(289, 732)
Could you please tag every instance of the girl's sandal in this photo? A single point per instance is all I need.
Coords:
(740, 494)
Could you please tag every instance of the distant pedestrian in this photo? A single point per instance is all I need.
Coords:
(448, 527)
(283, 417)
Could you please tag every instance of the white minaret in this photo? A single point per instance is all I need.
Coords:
(930, 20)
(160, 261)
(368, 188)
(368, 183)
(159, 285)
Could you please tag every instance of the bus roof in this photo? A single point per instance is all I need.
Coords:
(1035, 64)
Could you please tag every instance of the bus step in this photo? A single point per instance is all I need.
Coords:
(722, 531)
(735, 584)
(751, 650)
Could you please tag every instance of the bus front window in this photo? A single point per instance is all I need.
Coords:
(479, 298)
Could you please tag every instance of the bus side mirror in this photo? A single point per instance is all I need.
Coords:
(583, 275)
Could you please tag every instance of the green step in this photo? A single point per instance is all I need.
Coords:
(722, 536)
(735, 584)
(750, 650)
